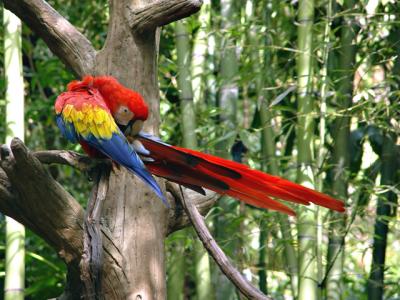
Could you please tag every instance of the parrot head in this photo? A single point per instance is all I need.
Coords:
(127, 106)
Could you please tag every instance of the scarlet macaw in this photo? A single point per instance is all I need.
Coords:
(83, 116)
(95, 112)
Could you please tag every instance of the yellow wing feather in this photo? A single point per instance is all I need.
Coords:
(90, 119)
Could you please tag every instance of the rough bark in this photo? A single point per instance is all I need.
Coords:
(159, 13)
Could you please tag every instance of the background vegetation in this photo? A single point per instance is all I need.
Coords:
(308, 91)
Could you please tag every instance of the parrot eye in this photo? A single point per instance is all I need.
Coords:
(123, 115)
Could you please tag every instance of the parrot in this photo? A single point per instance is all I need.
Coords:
(84, 116)
(107, 119)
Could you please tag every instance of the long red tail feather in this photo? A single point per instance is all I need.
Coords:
(196, 169)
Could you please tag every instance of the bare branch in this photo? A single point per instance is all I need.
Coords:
(218, 255)
(160, 13)
(70, 158)
(63, 39)
(178, 218)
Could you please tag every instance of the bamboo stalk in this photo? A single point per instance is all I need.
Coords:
(384, 212)
(188, 116)
(307, 231)
(228, 96)
(341, 159)
(229, 91)
(15, 232)
(322, 131)
(204, 288)
(199, 55)
(268, 150)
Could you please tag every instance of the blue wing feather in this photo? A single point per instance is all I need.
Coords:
(120, 151)
(67, 130)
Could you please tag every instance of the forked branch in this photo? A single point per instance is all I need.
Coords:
(178, 218)
(63, 39)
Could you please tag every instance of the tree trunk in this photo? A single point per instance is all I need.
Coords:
(134, 217)
(15, 232)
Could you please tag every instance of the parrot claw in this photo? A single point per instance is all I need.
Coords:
(139, 148)
(147, 159)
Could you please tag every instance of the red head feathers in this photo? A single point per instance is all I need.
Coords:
(115, 94)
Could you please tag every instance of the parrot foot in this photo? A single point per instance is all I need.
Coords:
(138, 147)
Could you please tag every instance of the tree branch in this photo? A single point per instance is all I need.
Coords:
(178, 218)
(69, 158)
(63, 39)
(245, 287)
(30, 195)
(160, 13)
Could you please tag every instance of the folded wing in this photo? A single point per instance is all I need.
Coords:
(83, 116)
